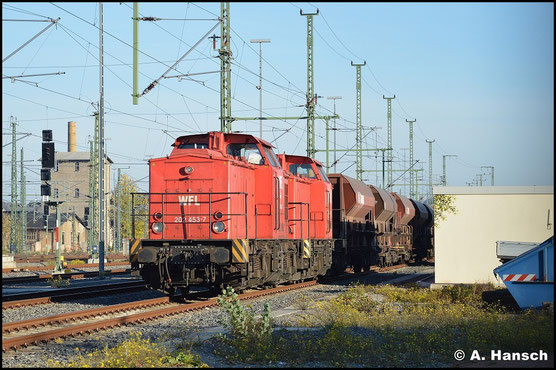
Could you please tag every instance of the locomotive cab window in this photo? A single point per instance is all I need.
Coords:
(323, 173)
(271, 157)
(250, 152)
(303, 170)
(193, 146)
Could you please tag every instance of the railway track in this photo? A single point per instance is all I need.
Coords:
(70, 266)
(34, 298)
(28, 332)
(21, 258)
(71, 275)
(34, 331)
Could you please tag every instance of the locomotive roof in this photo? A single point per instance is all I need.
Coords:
(247, 136)
(304, 157)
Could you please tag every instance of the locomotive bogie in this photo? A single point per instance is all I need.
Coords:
(171, 264)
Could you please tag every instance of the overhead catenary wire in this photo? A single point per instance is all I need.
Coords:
(292, 90)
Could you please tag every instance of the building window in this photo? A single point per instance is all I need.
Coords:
(63, 237)
(77, 193)
(76, 166)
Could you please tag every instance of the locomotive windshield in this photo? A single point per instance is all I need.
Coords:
(249, 151)
(303, 170)
(322, 173)
(271, 157)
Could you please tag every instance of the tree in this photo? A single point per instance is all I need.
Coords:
(442, 206)
(140, 203)
(6, 231)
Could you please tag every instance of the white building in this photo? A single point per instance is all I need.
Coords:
(465, 243)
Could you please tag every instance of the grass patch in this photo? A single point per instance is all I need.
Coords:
(133, 352)
(386, 326)
(57, 282)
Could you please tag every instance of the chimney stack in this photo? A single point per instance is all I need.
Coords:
(72, 130)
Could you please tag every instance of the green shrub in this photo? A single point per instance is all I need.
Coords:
(242, 323)
(249, 338)
(387, 326)
(133, 352)
(57, 282)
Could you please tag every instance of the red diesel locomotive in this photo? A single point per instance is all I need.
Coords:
(224, 209)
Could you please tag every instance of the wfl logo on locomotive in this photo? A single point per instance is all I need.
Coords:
(188, 200)
(498, 355)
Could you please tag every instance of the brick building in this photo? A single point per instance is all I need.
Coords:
(70, 181)
(72, 233)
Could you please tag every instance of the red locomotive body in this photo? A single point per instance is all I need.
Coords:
(206, 189)
(299, 199)
(218, 213)
(320, 190)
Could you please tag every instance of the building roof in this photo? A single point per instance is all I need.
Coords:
(76, 156)
(493, 189)
(38, 223)
(7, 206)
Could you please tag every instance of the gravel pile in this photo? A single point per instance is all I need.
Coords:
(189, 325)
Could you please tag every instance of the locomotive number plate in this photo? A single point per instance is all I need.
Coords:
(184, 220)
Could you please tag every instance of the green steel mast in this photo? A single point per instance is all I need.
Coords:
(118, 208)
(430, 169)
(358, 124)
(93, 187)
(90, 238)
(23, 213)
(13, 213)
(389, 120)
(411, 171)
(135, 53)
(225, 52)
(310, 86)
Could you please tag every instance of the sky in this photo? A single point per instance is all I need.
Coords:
(478, 78)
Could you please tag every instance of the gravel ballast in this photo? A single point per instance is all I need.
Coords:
(190, 325)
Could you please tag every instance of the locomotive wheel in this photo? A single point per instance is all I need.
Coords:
(171, 292)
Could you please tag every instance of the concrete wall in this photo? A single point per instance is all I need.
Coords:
(465, 243)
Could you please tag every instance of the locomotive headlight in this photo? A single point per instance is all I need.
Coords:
(218, 215)
(157, 227)
(157, 216)
(188, 169)
(218, 227)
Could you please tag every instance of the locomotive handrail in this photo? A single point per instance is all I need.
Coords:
(210, 201)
